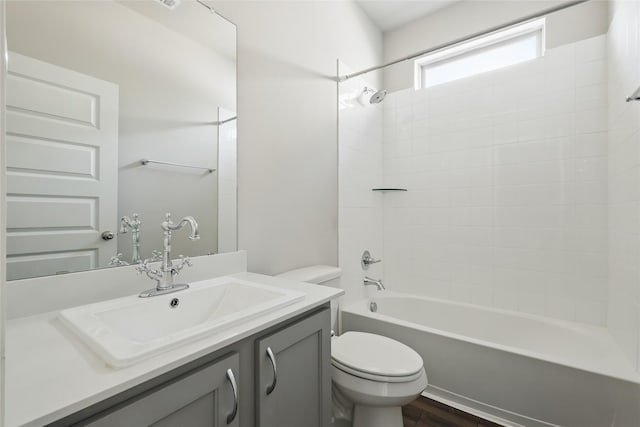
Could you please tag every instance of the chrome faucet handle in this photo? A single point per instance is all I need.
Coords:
(183, 261)
(143, 267)
(156, 255)
(127, 223)
(150, 272)
(117, 261)
(367, 260)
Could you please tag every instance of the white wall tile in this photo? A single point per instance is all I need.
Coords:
(510, 187)
(591, 73)
(623, 51)
(591, 49)
(590, 121)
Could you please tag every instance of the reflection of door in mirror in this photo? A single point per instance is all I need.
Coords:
(62, 133)
(172, 71)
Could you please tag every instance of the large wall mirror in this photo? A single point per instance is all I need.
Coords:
(117, 113)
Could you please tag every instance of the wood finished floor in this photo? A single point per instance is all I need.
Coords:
(424, 412)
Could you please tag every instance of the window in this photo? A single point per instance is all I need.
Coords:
(486, 53)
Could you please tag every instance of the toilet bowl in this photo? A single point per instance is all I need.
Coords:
(372, 376)
(377, 375)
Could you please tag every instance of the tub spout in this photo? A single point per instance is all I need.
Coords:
(368, 281)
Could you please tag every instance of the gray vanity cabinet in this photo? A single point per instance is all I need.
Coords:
(293, 375)
(200, 393)
(204, 397)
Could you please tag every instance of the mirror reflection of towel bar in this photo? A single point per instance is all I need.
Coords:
(221, 122)
(635, 96)
(145, 162)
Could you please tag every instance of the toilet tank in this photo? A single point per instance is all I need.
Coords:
(318, 274)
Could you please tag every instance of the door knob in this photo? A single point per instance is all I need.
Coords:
(107, 235)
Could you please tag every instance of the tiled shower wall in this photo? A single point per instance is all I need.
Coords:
(507, 180)
(624, 177)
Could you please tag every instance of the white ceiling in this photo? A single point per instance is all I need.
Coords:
(391, 14)
(192, 20)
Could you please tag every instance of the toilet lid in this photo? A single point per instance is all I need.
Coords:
(375, 354)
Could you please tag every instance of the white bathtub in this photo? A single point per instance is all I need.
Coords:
(512, 368)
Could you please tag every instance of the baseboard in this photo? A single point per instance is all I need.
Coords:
(482, 410)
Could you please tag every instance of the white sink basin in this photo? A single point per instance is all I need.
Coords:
(126, 330)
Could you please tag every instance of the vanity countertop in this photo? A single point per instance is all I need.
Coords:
(50, 373)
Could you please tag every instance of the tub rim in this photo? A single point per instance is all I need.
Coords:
(360, 307)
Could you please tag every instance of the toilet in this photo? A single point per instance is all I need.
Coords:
(372, 376)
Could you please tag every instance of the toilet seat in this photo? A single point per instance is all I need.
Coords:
(375, 357)
(372, 377)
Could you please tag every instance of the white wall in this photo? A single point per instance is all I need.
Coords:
(454, 22)
(170, 88)
(360, 170)
(506, 174)
(287, 125)
(624, 177)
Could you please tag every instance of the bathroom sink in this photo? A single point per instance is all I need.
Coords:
(127, 330)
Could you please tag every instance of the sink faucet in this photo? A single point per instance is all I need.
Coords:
(134, 224)
(164, 276)
(374, 282)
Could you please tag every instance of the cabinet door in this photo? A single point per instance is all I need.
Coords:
(203, 397)
(294, 375)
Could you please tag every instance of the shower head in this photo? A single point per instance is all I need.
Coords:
(371, 96)
(377, 97)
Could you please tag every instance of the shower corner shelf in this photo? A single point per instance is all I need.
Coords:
(385, 189)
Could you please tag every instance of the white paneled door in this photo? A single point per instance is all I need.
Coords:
(62, 154)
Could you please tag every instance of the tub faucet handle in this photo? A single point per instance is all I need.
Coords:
(367, 260)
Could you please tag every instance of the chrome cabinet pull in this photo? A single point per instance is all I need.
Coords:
(272, 359)
(234, 387)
